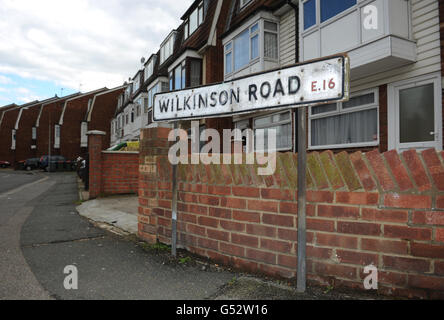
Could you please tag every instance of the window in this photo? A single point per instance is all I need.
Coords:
(83, 136)
(34, 133)
(245, 48)
(149, 68)
(281, 122)
(344, 125)
(331, 8)
(145, 105)
(309, 13)
(271, 40)
(166, 49)
(178, 76)
(325, 9)
(57, 136)
(195, 19)
(136, 83)
(126, 119)
(132, 115)
(13, 140)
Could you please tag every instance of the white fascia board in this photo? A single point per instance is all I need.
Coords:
(76, 98)
(186, 54)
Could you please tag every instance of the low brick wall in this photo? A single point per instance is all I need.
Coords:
(382, 209)
(111, 173)
(120, 172)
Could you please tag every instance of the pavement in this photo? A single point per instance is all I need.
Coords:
(117, 211)
(41, 233)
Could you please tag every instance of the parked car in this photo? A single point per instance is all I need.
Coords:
(31, 164)
(55, 161)
(4, 164)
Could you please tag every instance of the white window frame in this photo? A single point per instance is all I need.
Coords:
(57, 136)
(83, 136)
(149, 68)
(200, 20)
(340, 111)
(167, 47)
(284, 122)
(13, 139)
(261, 32)
(318, 23)
(393, 115)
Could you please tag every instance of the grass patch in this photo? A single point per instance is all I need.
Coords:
(184, 260)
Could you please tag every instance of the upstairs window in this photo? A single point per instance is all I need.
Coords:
(136, 83)
(149, 68)
(331, 8)
(13, 140)
(34, 133)
(193, 22)
(324, 9)
(57, 136)
(167, 48)
(245, 48)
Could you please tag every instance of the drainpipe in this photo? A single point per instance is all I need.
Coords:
(296, 18)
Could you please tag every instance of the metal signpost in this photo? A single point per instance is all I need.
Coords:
(316, 82)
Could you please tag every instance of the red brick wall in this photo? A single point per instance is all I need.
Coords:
(8, 124)
(111, 173)
(103, 113)
(24, 134)
(50, 115)
(386, 209)
(120, 173)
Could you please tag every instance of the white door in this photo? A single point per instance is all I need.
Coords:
(415, 114)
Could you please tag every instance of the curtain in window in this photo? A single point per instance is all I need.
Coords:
(357, 127)
(195, 74)
(242, 50)
(283, 137)
(270, 43)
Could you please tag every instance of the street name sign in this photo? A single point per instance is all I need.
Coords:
(319, 81)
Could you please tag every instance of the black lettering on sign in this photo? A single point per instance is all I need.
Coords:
(223, 98)
(164, 106)
(279, 88)
(252, 92)
(213, 98)
(294, 84)
(236, 97)
(266, 85)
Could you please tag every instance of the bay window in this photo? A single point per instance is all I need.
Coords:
(344, 125)
(244, 49)
(187, 74)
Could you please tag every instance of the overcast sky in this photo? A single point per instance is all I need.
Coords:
(47, 45)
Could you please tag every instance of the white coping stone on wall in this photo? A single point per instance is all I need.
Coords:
(96, 132)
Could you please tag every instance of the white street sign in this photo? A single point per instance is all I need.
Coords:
(320, 81)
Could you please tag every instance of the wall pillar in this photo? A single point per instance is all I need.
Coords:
(95, 143)
(154, 147)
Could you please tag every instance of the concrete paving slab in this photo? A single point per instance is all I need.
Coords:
(119, 211)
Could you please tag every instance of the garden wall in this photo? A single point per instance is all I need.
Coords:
(382, 209)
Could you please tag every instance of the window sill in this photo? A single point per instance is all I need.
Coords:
(344, 146)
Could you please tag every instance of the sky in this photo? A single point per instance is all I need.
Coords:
(50, 47)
